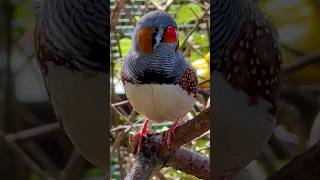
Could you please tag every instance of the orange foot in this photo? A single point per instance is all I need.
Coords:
(143, 133)
(170, 131)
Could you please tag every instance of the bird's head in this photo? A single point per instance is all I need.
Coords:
(154, 29)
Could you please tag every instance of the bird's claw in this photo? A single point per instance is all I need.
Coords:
(170, 134)
(139, 136)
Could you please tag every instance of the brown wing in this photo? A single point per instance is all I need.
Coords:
(254, 62)
(188, 81)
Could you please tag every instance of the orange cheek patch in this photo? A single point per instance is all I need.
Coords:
(145, 40)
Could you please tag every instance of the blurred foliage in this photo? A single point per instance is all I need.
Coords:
(203, 69)
(298, 23)
(187, 13)
(125, 45)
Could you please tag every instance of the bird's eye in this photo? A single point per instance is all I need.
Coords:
(156, 29)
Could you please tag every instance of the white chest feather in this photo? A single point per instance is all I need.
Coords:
(159, 102)
(240, 131)
(79, 100)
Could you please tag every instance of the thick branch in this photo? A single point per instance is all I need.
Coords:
(303, 166)
(189, 162)
(156, 153)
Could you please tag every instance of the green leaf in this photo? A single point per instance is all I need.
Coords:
(201, 39)
(137, 18)
(164, 128)
(173, 8)
(194, 56)
(201, 143)
(181, 39)
(185, 14)
(117, 66)
(125, 45)
(121, 120)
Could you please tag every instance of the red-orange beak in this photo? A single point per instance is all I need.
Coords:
(170, 35)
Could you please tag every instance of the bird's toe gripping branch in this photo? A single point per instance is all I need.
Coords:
(139, 135)
(170, 132)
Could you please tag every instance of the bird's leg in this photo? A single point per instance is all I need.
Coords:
(170, 131)
(143, 133)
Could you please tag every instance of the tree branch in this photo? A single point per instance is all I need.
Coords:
(189, 162)
(302, 62)
(303, 166)
(156, 153)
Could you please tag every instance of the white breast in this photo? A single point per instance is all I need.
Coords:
(159, 102)
(240, 131)
(79, 100)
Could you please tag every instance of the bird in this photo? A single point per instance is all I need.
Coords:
(159, 82)
(72, 44)
(246, 80)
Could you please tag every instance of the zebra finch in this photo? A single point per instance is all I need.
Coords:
(71, 42)
(160, 84)
(246, 79)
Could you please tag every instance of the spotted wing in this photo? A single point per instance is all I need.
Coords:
(188, 81)
(253, 62)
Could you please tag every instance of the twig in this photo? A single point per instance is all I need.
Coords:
(121, 127)
(123, 133)
(123, 4)
(292, 49)
(203, 148)
(204, 81)
(194, 13)
(203, 135)
(302, 62)
(160, 176)
(313, 88)
(191, 47)
(315, 131)
(25, 134)
(41, 157)
(74, 167)
(198, 3)
(120, 113)
(26, 158)
(120, 103)
(156, 153)
(120, 160)
(199, 21)
(162, 8)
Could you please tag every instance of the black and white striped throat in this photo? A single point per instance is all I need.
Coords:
(165, 66)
